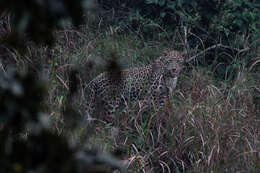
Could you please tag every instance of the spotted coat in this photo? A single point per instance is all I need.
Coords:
(109, 91)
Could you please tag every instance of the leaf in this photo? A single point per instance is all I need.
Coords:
(171, 5)
(162, 14)
(151, 1)
(161, 2)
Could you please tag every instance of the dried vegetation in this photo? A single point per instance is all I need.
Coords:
(209, 125)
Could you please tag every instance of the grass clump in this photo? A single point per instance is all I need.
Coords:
(210, 126)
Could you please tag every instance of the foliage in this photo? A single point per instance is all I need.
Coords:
(27, 142)
(201, 24)
(208, 126)
(241, 17)
(39, 18)
(231, 16)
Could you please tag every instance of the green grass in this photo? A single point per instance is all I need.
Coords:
(209, 126)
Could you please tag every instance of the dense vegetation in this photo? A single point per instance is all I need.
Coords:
(202, 24)
(211, 125)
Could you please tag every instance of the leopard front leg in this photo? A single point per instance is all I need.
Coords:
(90, 104)
(159, 94)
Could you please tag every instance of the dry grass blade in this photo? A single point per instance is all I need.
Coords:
(254, 64)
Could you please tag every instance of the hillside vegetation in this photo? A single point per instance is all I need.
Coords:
(212, 121)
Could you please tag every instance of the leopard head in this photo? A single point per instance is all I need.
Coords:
(172, 60)
(170, 65)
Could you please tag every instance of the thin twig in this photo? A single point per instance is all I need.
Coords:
(252, 66)
(62, 81)
(2, 67)
(258, 89)
(216, 46)
(204, 51)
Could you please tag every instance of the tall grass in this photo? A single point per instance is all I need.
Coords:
(209, 128)
(207, 125)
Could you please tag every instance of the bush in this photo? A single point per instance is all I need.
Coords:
(234, 24)
(27, 142)
(39, 19)
(227, 16)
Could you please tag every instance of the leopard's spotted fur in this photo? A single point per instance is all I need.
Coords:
(109, 91)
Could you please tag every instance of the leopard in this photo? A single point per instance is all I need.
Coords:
(152, 83)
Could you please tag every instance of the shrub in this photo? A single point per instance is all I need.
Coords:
(27, 142)
(234, 24)
(229, 16)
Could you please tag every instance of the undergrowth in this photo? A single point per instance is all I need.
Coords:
(209, 125)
